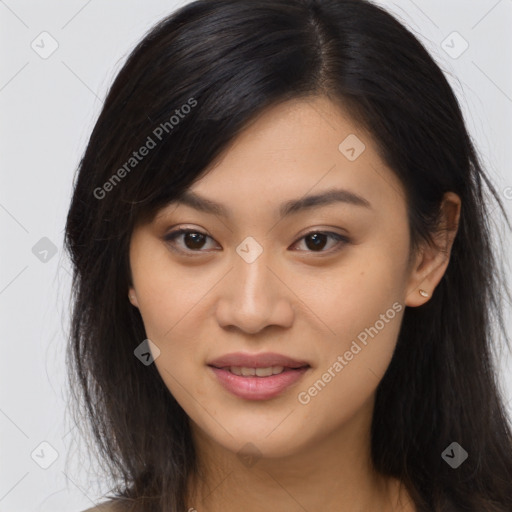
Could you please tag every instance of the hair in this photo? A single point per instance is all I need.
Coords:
(228, 61)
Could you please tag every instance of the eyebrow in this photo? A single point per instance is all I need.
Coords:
(293, 206)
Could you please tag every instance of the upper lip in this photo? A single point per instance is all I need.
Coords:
(263, 360)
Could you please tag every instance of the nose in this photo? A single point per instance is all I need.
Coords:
(254, 296)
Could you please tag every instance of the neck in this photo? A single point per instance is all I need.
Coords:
(332, 473)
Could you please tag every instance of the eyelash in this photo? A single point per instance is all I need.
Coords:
(342, 240)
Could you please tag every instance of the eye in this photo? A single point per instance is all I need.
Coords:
(194, 240)
(317, 240)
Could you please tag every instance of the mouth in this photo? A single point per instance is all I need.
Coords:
(257, 377)
(249, 362)
(245, 371)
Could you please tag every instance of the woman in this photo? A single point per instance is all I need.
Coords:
(284, 278)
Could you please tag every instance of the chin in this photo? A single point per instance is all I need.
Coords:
(268, 440)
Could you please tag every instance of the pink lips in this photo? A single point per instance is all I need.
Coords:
(254, 387)
(256, 360)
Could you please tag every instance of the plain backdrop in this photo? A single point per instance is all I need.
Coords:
(49, 104)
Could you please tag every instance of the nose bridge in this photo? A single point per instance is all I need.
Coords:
(252, 296)
(254, 278)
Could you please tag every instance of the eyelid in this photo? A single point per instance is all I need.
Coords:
(172, 235)
(340, 239)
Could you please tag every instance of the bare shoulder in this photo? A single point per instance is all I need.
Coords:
(109, 506)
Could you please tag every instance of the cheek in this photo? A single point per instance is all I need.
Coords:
(169, 323)
(354, 295)
(362, 305)
(170, 314)
(168, 294)
(168, 299)
(353, 361)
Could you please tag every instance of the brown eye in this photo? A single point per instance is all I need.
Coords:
(192, 240)
(195, 241)
(316, 241)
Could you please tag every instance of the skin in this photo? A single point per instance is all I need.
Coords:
(294, 299)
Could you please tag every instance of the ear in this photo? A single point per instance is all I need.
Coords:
(132, 296)
(431, 262)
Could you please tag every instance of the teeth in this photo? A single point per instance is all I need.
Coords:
(259, 372)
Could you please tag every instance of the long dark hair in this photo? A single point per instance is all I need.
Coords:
(186, 91)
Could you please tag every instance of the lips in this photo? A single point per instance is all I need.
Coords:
(257, 376)
(263, 360)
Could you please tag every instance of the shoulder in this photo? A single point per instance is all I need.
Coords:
(109, 506)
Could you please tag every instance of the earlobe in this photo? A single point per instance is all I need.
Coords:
(433, 260)
(133, 297)
(421, 297)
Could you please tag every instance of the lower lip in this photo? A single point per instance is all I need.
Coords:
(258, 388)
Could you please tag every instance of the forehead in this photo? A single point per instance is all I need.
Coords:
(296, 149)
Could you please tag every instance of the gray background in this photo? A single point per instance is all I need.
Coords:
(49, 106)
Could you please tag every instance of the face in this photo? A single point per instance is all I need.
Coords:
(323, 282)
